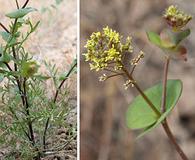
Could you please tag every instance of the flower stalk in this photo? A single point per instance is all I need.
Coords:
(106, 52)
(163, 109)
(151, 105)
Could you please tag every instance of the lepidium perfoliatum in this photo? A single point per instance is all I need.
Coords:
(28, 115)
(106, 53)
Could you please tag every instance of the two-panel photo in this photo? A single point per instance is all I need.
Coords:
(97, 80)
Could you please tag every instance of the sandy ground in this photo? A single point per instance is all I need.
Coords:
(54, 41)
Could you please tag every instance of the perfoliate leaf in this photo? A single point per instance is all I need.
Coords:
(178, 37)
(166, 39)
(170, 42)
(140, 115)
(154, 38)
(19, 13)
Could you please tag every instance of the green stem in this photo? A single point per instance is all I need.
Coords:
(151, 105)
(163, 103)
(163, 108)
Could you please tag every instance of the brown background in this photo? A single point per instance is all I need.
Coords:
(104, 135)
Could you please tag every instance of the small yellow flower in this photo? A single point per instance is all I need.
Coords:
(105, 49)
(107, 52)
(176, 18)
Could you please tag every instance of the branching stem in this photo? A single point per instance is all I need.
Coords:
(151, 105)
(54, 101)
(22, 93)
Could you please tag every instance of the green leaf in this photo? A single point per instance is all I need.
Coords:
(58, 1)
(63, 76)
(19, 13)
(74, 70)
(7, 37)
(154, 38)
(5, 57)
(178, 37)
(140, 115)
(1, 77)
(35, 26)
(1, 50)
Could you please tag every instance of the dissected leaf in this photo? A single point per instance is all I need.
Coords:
(72, 70)
(1, 77)
(140, 115)
(19, 13)
(41, 77)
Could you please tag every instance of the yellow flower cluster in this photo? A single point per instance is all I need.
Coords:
(105, 49)
(176, 18)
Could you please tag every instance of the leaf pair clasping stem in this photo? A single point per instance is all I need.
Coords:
(163, 104)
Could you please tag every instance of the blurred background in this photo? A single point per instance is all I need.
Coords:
(104, 135)
(55, 42)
